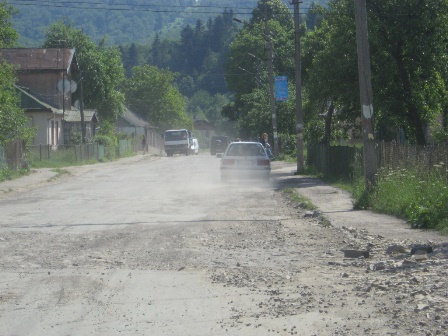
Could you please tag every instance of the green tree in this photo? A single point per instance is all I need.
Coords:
(409, 62)
(152, 94)
(13, 122)
(408, 55)
(204, 105)
(101, 66)
(330, 75)
(246, 73)
(8, 36)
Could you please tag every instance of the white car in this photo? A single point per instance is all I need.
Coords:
(245, 160)
(195, 147)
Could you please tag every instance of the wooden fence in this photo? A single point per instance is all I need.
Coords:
(347, 161)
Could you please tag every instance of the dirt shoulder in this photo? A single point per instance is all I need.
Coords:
(43, 176)
(337, 206)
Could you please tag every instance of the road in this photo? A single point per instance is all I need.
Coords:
(160, 246)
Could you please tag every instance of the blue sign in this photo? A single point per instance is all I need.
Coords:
(281, 88)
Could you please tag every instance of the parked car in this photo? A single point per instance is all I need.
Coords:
(245, 160)
(218, 144)
(195, 147)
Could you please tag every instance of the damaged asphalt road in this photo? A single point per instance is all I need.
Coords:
(150, 246)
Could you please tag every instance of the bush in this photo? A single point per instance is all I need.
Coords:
(109, 145)
(75, 138)
(288, 143)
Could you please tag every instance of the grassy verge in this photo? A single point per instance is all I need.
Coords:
(60, 164)
(8, 174)
(302, 201)
(60, 172)
(420, 197)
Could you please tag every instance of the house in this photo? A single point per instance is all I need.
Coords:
(73, 124)
(147, 137)
(204, 131)
(47, 120)
(46, 80)
(131, 124)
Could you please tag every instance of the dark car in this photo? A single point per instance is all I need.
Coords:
(218, 144)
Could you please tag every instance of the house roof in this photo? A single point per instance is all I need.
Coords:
(75, 115)
(32, 59)
(129, 118)
(203, 125)
(30, 102)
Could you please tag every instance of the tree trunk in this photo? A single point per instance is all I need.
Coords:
(328, 119)
(413, 115)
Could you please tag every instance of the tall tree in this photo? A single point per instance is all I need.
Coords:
(8, 36)
(246, 73)
(151, 93)
(409, 43)
(408, 40)
(13, 122)
(330, 74)
(101, 67)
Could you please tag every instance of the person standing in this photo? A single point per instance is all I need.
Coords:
(267, 147)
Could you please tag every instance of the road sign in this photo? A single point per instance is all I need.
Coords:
(281, 88)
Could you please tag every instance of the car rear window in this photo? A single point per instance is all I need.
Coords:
(241, 149)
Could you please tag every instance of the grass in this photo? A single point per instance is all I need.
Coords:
(60, 172)
(60, 164)
(418, 196)
(8, 174)
(302, 201)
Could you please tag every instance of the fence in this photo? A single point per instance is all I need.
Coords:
(12, 155)
(346, 161)
(416, 157)
(67, 153)
(334, 161)
(3, 162)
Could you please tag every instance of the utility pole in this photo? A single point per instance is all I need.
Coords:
(269, 61)
(298, 74)
(365, 89)
(81, 110)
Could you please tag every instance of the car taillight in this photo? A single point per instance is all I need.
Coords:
(264, 162)
(228, 162)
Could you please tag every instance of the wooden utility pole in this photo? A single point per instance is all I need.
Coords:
(269, 61)
(365, 89)
(298, 74)
(81, 110)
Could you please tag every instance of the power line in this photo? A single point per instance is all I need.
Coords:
(126, 7)
(121, 4)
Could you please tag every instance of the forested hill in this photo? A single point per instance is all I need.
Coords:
(122, 21)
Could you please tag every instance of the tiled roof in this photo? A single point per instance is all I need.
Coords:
(40, 58)
(203, 125)
(75, 115)
(133, 120)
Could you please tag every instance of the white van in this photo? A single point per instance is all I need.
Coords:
(195, 147)
(178, 142)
